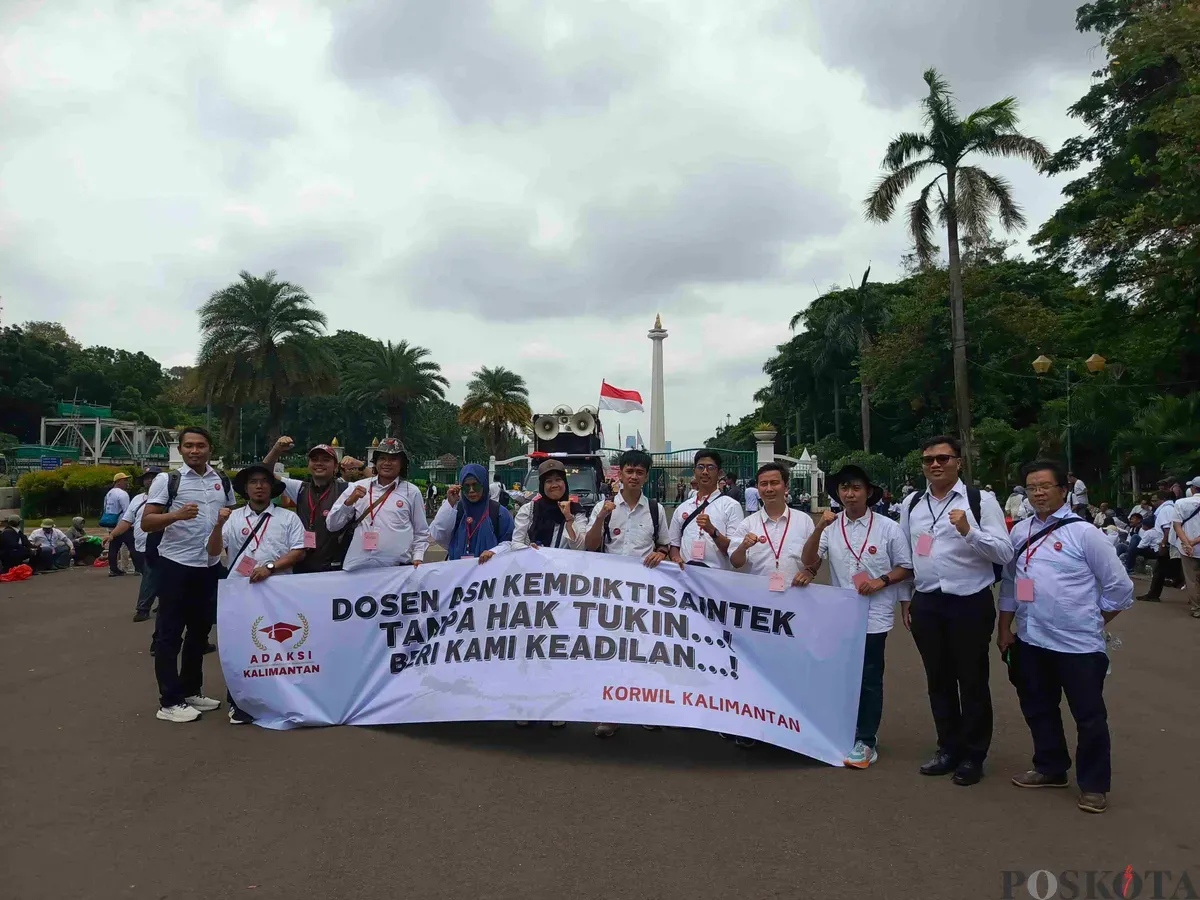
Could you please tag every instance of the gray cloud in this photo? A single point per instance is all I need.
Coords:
(728, 224)
(486, 67)
(985, 48)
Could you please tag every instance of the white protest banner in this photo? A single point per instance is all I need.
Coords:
(543, 635)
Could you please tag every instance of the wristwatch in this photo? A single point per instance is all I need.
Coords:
(270, 567)
(885, 579)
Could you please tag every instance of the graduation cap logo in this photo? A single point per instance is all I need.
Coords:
(280, 631)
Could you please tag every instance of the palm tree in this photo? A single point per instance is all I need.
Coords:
(396, 375)
(261, 343)
(969, 198)
(497, 399)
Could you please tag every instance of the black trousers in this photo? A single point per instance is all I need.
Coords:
(954, 636)
(1164, 568)
(1041, 677)
(114, 550)
(870, 696)
(187, 610)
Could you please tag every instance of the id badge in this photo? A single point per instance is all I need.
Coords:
(1025, 590)
(468, 556)
(697, 551)
(860, 578)
(777, 582)
(310, 540)
(245, 566)
(370, 540)
(924, 544)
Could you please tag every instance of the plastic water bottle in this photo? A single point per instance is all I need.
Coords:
(1111, 642)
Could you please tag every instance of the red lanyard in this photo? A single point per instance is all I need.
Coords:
(471, 532)
(312, 508)
(858, 556)
(257, 538)
(786, 526)
(1030, 550)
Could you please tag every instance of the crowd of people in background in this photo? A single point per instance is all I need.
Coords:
(934, 555)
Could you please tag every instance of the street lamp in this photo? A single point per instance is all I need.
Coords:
(1095, 365)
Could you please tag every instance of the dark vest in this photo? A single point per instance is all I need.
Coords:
(326, 553)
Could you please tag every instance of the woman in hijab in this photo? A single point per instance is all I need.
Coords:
(468, 524)
(552, 520)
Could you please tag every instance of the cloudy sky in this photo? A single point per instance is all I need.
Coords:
(515, 182)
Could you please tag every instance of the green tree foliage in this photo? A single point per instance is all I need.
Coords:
(261, 342)
(967, 198)
(498, 403)
(398, 377)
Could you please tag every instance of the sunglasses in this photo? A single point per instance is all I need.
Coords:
(941, 459)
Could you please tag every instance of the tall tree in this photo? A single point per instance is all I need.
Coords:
(396, 376)
(969, 198)
(261, 343)
(497, 400)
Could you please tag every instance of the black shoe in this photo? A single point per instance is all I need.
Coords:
(942, 763)
(1148, 599)
(152, 649)
(968, 773)
(210, 647)
(112, 574)
(141, 616)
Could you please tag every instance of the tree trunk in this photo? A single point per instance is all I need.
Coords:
(274, 416)
(395, 418)
(837, 409)
(864, 345)
(958, 328)
(816, 430)
(799, 438)
(229, 431)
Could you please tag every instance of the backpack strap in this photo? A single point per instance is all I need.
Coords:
(1191, 516)
(974, 501)
(654, 520)
(172, 487)
(494, 513)
(1066, 520)
(916, 498)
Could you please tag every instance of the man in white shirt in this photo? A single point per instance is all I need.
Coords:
(116, 501)
(631, 524)
(52, 548)
(181, 509)
(1185, 537)
(259, 540)
(131, 521)
(701, 525)
(955, 550)
(386, 513)
(1078, 496)
(1166, 566)
(769, 542)
(1063, 586)
(753, 499)
(869, 554)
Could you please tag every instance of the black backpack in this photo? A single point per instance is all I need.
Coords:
(154, 538)
(653, 520)
(973, 501)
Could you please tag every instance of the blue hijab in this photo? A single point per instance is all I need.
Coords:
(483, 532)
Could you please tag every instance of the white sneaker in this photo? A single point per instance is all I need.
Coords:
(202, 703)
(861, 756)
(180, 713)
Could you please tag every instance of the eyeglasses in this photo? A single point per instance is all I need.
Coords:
(706, 467)
(941, 459)
(1042, 488)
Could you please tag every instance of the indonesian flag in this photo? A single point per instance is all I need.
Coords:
(618, 400)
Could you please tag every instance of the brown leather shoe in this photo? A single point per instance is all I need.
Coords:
(1035, 779)
(1093, 803)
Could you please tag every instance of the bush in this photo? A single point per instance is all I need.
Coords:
(42, 493)
(298, 472)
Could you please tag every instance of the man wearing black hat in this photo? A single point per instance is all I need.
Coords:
(259, 540)
(314, 498)
(867, 553)
(385, 514)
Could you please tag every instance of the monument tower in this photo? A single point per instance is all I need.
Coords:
(658, 421)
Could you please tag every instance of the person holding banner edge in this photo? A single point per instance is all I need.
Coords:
(878, 569)
(1063, 586)
(701, 525)
(259, 540)
(469, 524)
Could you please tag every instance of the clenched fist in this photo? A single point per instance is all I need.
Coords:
(958, 518)
(285, 443)
(223, 514)
(453, 493)
(186, 512)
(357, 494)
(565, 506)
(704, 523)
(749, 540)
(827, 519)
(607, 509)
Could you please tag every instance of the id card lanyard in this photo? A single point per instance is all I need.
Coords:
(861, 550)
(778, 552)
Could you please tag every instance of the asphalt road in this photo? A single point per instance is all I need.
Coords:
(100, 800)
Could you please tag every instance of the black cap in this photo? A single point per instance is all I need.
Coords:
(854, 473)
